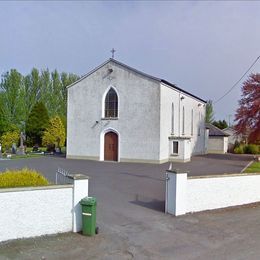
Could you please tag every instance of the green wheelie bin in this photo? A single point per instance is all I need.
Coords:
(89, 205)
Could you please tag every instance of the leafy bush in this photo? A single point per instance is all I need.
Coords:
(248, 149)
(239, 149)
(251, 149)
(21, 178)
(9, 138)
(55, 133)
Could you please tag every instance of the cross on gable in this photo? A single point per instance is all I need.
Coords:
(113, 53)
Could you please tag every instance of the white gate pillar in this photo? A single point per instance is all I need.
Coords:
(80, 191)
(176, 186)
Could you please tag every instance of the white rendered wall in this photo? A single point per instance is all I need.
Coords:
(138, 122)
(28, 212)
(168, 96)
(217, 144)
(80, 191)
(175, 200)
(220, 192)
(225, 144)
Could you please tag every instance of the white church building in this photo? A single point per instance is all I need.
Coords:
(117, 113)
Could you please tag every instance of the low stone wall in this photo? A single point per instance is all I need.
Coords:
(194, 194)
(29, 212)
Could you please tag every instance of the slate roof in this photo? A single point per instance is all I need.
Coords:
(138, 72)
(215, 131)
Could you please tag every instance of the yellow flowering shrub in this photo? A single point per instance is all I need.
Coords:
(9, 138)
(21, 178)
(54, 133)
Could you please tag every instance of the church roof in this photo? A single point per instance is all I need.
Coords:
(138, 72)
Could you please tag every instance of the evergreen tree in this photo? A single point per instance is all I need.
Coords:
(37, 122)
(209, 118)
(221, 124)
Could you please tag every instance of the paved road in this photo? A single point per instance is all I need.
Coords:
(131, 219)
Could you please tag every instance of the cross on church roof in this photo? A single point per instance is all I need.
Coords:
(113, 53)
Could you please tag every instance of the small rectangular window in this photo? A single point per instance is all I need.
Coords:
(175, 147)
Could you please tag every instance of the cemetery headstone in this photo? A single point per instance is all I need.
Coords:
(14, 148)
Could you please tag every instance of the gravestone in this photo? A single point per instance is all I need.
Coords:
(14, 148)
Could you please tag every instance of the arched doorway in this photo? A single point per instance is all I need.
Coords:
(111, 147)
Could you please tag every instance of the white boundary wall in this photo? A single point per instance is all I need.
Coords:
(36, 211)
(211, 192)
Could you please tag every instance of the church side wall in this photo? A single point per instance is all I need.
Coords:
(169, 96)
(137, 124)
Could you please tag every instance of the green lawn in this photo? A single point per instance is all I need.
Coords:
(30, 154)
(14, 156)
(254, 167)
(43, 149)
(29, 149)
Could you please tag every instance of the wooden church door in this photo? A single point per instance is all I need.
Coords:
(111, 147)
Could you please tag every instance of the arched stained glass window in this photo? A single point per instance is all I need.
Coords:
(111, 104)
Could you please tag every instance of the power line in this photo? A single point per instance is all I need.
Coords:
(238, 80)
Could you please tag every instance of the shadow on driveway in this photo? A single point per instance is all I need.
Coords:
(154, 204)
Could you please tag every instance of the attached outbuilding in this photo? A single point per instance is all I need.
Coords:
(233, 138)
(117, 113)
(217, 140)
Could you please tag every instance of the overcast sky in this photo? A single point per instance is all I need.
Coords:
(203, 47)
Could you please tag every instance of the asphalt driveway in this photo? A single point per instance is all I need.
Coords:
(132, 220)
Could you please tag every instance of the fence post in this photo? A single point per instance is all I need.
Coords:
(80, 190)
(176, 186)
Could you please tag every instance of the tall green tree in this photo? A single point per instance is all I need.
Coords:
(46, 88)
(209, 118)
(31, 91)
(11, 97)
(221, 124)
(19, 94)
(3, 120)
(37, 123)
(66, 80)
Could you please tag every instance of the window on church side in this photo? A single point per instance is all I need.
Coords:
(199, 124)
(183, 120)
(172, 118)
(192, 122)
(111, 104)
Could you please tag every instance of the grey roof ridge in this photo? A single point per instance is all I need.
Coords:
(89, 73)
(138, 72)
(216, 128)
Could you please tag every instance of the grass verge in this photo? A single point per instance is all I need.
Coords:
(254, 167)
